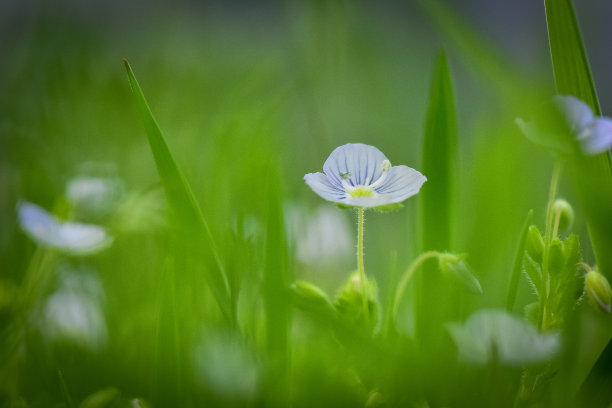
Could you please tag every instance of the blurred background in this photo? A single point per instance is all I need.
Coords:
(239, 87)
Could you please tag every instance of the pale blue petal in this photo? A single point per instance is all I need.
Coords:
(83, 238)
(46, 230)
(320, 184)
(38, 224)
(362, 162)
(402, 182)
(598, 137)
(577, 113)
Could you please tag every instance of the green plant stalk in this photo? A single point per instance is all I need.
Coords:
(360, 267)
(407, 276)
(548, 237)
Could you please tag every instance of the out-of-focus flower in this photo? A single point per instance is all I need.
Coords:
(92, 196)
(359, 175)
(569, 115)
(74, 317)
(594, 133)
(490, 335)
(224, 364)
(69, 237)
(322, 237)
(95, 191)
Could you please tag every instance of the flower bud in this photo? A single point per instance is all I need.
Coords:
(565, 213)
(454, 267)
(535, 244)
(598, 289)
(349, 301)
(309, 297)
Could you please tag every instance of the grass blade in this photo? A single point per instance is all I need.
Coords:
(518, 262)
(277, 302)
(592, 175)
(436, 196)
(181, 199)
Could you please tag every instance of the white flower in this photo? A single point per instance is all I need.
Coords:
(490, 335)
(322, 237)
(361, 176)
(93, 195)
(593, 133)
(70, 237)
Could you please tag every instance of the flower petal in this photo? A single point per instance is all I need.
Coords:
(598, 137)
(38, 224)
(320, 184)
(363, 162)
(402, 182)
(46, 230)
(577, 113)
(83, 238)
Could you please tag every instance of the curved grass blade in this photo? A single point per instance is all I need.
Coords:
(439, 160)
(518, 264)
(182, 201)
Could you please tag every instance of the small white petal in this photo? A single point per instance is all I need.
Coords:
(46, 230)
(83, 238)
(320, 184)
(597, 138)
(360, 164)
(403, 182)
(38, 224)
(577, 113)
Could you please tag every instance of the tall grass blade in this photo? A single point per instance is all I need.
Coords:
(592, 175)
(436, 197)
(182, 201)
(277, 301)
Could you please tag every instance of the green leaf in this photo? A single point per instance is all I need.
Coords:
(518, 261)
(182, 201)
(436, 196)
(534, 273)
(556, 259)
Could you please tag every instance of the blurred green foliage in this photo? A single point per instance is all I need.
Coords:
(249, 101)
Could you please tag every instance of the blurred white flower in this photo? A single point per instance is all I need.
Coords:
(321, 237)
(223, 364)
(494, 334)
(70, 316)
(69, 237)
(91, 195)
(74, 312)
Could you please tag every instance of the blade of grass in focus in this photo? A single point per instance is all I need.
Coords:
(592, 175)
(436, 199)
(277, 302)
(518, 264)
(182, 201)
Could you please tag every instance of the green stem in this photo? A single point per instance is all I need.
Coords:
(549, 233)
(403, 283)
(362, 277)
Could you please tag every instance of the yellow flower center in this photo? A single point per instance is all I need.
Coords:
(361, 191)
